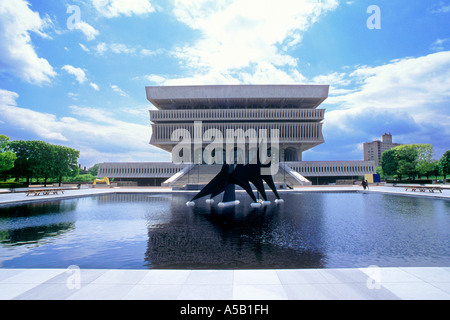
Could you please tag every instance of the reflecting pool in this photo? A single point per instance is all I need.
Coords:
(309, 230)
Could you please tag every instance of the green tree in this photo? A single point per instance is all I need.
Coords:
(425, 163)
(435, 170)
(406, 168)
(93, 170)
(407, 156)
(23, 166)
(389, 163)
(40, 159)
(7, 157)
(444, 164)
(65, 162)
(44, 155)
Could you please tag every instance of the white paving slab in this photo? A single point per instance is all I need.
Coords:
(154, 292)
(165, 277)
(250, 277)
(297, 284)
(210, 277)
(416, 291)
(206, 292)
(259, 292)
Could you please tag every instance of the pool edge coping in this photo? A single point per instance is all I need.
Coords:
(343, 189)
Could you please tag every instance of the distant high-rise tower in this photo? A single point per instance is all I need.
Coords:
(373, 150)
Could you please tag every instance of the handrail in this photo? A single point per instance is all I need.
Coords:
(169, 182)
(297, 176)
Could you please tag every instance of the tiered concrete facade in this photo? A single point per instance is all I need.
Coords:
(292, 109)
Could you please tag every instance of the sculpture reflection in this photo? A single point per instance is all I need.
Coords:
(228, 238)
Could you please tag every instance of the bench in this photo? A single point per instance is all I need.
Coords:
(423, 188)
(37, 192)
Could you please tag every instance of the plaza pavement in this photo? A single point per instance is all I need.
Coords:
(412, 283)
(296, 284)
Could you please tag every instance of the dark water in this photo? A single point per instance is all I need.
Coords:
(310, 230)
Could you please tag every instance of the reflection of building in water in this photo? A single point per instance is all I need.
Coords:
(34, 235)
(38, 208)
(33, 230)
(133, 198)
(225, 240)
(157, 210)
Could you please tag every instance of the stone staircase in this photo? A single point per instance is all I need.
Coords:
(199, 175)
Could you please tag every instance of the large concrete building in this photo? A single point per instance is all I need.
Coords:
(373, 150)
(292, 109)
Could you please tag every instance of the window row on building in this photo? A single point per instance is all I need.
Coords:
(332, 168)
(295, 132)
(237, 114)
(141, 170)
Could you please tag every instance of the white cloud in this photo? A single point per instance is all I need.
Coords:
(28, 119)
(267, 73)
(409, 97)
(157, 79)
(84, 48)
(89, 31)
(115, 8)
(101, 48)
(147, 52)
(17, 54)
(94, 86)
(439, 44)
(243, 41)
(120, 48)
(8, 97)
(196, 79)
(412, 83)
(441, 7)
(73, 96)
(334, 78)
(118, 90)
(79, 73)
(246, 34)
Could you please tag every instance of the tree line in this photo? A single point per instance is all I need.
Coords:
(36, 159)
(413, 160)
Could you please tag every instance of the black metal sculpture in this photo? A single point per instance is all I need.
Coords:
(231, 175)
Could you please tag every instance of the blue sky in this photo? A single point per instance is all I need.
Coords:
(79, 80)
